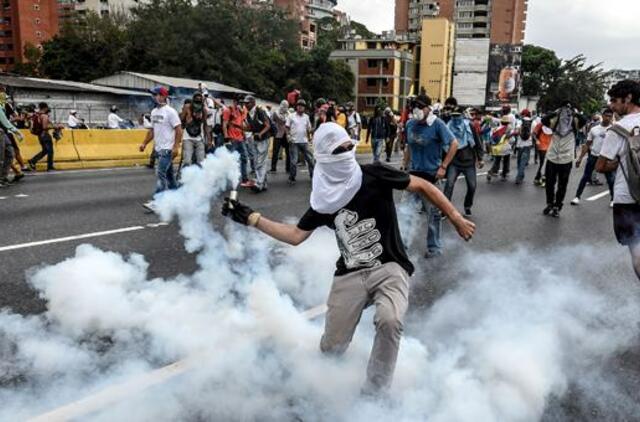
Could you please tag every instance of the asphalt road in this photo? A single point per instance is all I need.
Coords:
(508, 217)
(62, 204)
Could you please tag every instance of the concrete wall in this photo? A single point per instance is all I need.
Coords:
(93, 107)
(470, 71)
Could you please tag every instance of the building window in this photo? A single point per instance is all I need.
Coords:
(6, 34)
(5, 20)
(372, 82)
(385, 64)
(371, 101)
(372, 63)
(6, 47)
(371, 45)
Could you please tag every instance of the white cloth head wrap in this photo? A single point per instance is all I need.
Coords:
(336, 178)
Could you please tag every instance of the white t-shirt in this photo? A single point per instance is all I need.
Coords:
(73, 122)
(165, 120)
(299, 126)
(597, 135)
(113, 121)
(614, 147)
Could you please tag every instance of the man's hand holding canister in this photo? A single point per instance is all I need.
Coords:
(240, 213)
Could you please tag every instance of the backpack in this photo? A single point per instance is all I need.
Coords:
(525, 130)
(632, 173)
(36, 124)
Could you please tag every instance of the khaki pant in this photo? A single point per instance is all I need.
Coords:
(386, 286)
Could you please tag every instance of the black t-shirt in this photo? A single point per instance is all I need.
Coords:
(367, 227)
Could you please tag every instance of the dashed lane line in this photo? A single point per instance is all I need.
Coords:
(598, 196)
(137, 384)
(80, 236)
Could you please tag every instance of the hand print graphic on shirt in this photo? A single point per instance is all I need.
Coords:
(357, 240)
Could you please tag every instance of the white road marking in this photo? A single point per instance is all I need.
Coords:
(136, 385)
(598, 196)
(21, 195)
(70, 238)
(154, 225)
(3, 197)
(141, 167)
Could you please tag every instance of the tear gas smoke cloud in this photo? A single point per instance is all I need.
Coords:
(495, 348)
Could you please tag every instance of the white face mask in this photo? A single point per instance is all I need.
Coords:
(418, 114)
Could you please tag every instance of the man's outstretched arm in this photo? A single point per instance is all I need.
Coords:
(465, 228)
(240, 213)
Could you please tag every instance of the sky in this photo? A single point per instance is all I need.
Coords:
(569, 27)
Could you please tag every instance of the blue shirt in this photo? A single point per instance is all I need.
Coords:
(427, 144)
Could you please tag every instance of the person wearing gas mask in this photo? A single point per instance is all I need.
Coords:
(565, 124)
(428, 139)
(356, 201)
(196, 133)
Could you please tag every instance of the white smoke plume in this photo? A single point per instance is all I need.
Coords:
(504, 344)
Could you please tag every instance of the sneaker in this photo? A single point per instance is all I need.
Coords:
(555, 212)
(32, 166)
(18, 177)
(547, 210)
(52, 169)
(518, 182)
(576, 201)
(611, 204)
(467, 212)
(273, 171)
(292, 182)
(596, 182)
(150, 206)
(248, 184)
(388, 160)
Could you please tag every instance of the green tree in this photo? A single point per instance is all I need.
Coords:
(584, 85)
(30, 66)
(540, 66)
(555, 80)
(89, 48)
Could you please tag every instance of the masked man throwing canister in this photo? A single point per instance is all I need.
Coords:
(357, 203)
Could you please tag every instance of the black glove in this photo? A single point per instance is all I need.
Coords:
(237, 211)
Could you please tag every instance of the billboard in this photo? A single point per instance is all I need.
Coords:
(504, 78)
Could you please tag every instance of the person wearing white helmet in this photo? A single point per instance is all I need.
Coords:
(356, 201)
(74, 122)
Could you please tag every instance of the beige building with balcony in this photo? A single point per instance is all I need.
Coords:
(383, 67)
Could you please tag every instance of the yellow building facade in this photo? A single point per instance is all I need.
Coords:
(436, 57)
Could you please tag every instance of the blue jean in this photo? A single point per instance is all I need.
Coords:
(241, 149)
(434, 229)
(294, 150)
(524, 153)
(469, 173)
(376, 147)
(165, 177)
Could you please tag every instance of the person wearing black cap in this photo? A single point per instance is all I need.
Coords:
(429, 138)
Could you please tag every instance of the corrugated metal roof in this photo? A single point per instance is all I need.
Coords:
(58, 85)
(177, 82)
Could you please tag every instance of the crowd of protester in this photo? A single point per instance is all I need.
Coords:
(438, 143)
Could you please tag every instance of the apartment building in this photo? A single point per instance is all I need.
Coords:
(24, 22)
(383, 67)
(436, 57)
